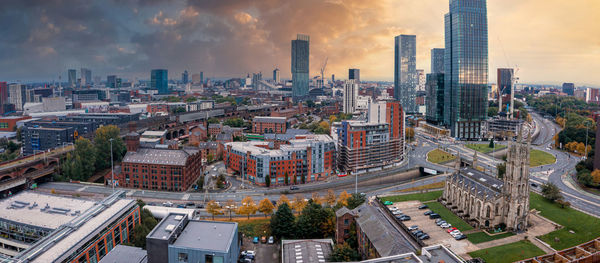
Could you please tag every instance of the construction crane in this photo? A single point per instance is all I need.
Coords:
(323, 72)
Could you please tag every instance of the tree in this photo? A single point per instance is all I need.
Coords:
(179, 110)
(234, 122)
(316, 198)
(310, 104)
(596, 176)
(410, 133)
(80, 164)
(212, 120)
(343, 253)
(303, 178)
(491, 145)
(551, 192)
(330, 198)
(102, 145)
(209, 158)
(356, 200)
(343, 198)
(283, 222)
(191, 99)
(268, 181)
(248, 207)
(286, 179)
(299, 203)
(230, 207)
(314, 221)
(265, 206)
(213, 208)
(140, 231)
(501, 168)
(283, 199)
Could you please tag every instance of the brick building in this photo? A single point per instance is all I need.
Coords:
(302, 160)
(8, 123)
(198, 134)
(215, 129)
(269, 124)
(155, 108)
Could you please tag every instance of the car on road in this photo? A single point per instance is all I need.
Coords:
(293, 187)
(428, 213)
(180, 206)
(167, 204)
(534, 185)
(423, 206)
(263, 239)
(255, 240)
(190, 204)
(199, 206)
(271, 240)
(413, 228)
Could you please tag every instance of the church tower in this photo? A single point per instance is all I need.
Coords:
(516, 184)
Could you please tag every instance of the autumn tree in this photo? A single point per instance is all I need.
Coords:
(213, 208)
(410, 133)
(283, 199)
(265, 206)
(343, 198)
(248, 207)
(596, 176)
(316, 198)
(299, 203)
(330, 198)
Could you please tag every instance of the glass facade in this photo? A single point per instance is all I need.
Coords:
(437, 60)
(435, 98)
(466, 68)
(300, 63)
(405, 72)
(160, 80)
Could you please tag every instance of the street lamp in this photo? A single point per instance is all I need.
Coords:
(112, 168)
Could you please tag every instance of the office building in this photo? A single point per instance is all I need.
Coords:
(86, 77)
(3, 96)
(184, 77)
(466, 68)
(300, 66)
(568, 88)
(159, 80)
(354, 74)
(421, 79)
(264, 124)
(196, 79)
(437, 60)
(350, 96)
(435, 98)
(405, 72)
(377, 142)
(177, 238)
(38, 138)
(111, 81)
(276, 75)
(64, 229)
(307, 158)
(333, 79)
(505, 90)
(72, 76)
(17, 96)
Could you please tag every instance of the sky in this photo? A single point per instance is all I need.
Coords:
(549, 41)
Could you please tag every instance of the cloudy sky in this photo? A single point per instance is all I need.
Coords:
(551, 41)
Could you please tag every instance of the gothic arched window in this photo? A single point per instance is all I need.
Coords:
(488, 212)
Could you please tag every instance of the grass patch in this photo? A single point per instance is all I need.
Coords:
(423, 197)
(484, 147)
(425, 187)
(449, 217)
(537, 158)
(439, 156)
(481, 237)
(585, 226)
(508, 253)
(255, 227)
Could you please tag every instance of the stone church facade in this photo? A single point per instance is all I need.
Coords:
(483, 200)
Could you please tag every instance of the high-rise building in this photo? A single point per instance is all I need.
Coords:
(201, 77)
(184, 77)
(354, 73)
(350, 95)
(466, 68)
(72, 76)
(437, 60)
(505, 89)
(86, 77)
(276, 75)
(333, 79)
(435, 98)
(568, 88)
(300, 66)
(17, 95)
(3, 96)
(111, 81)
(159, 79)
(421, 79)
(405, 72)
(196, 78)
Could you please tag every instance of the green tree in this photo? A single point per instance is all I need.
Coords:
(501, 168)
(310, 104)
(286, 179)
(551, 192)
(102, 145)
(172, 99)
(80, 164)
(191, 99)
(179, 110)
(140, 231)
(212, 120)
(491, 145)
(268, 181)
(234, 122)
(492, 111)
(356, 200)
(314, 221)
(344, 253)
(283, 222)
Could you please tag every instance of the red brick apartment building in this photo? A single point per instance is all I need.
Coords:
(263, 124)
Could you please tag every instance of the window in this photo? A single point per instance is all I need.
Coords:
(346, 222)
(346, 231)
(182, 257)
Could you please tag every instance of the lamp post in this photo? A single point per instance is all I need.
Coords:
(112, 168)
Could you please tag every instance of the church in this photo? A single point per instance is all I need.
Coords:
(484, 200)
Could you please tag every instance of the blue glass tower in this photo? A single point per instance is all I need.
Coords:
(437, 60)
(466, 68)
(300, 63)
(405, 72)
(159, 79)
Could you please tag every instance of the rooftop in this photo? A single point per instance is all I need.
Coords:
(154, 133)
(166, 227)
(51, 212)
(220, 235)
(306, 250)
(269, 119)
(125, 254)
(481, 182)
(159, 156)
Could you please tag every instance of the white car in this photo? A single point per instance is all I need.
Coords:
(248, 252)
(455, 233)
(397, 212)
(446, 225)
(393, 208)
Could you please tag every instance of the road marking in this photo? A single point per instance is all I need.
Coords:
(130, 193)
(81, 189)
(185, 197)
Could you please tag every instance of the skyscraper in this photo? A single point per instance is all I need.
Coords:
(405, 72)
(466, 68)
(86, 77)
(159, 79)
(435, 98)
(17, 96)
(354, 73)
(111, 81)
(201, 77)
(505, 88)
(300, 64)
(3, 96)
(437, 60)
(184, 77)
(276, 75)
(421, 79)
(350, 95)
(72, 76)
(196, 78)
(568, 88)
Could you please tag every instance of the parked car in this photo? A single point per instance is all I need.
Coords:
(434, 216)
(423, 206)
(460, 237)
(255, 240)
(417, 232)
(271, 240)
(451, 229)
(397, 212)
(190, 204)
(388, 203)
(446, 225)
(200, 206)
(393, 208)
(167, 204)
(293, 187)
(413, 228)
(428, 213)
(424, 236)
(404, 218)
(180, 206)
(440, 222)
(455, 232)
(263, 239)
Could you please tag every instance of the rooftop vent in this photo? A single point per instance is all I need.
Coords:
(170, 228)
(179, 217)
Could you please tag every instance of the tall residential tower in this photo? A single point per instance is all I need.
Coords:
(300, 63)
(437, 60)
(405, 72)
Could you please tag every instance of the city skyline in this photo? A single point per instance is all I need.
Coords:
(114, 38)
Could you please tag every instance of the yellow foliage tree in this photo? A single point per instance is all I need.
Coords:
(316, 198)
(410, 133)
(332, 119)
(248, 207)
(213, 208)
(343, 198)
(596, 176)
(265, 206)
(299, 203)
(283, 199)
(581, 148)
(324, 125)
(330, 198)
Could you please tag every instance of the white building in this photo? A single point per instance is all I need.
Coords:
(350, 96)
(421, 80)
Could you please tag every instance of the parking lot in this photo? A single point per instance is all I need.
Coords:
(264, 252)
(437, 234)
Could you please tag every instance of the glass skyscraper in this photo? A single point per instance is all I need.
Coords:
(159, 80)
(405, 72)
(300, 63)
(437, 60)
(72, 76)
(466, 68)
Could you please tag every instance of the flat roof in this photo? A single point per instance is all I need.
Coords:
(154, 133)
(306, 250)
(160, 230)
(26, 208)
(269, 119)
(125, 254)
(159, 156)
(207, 236)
